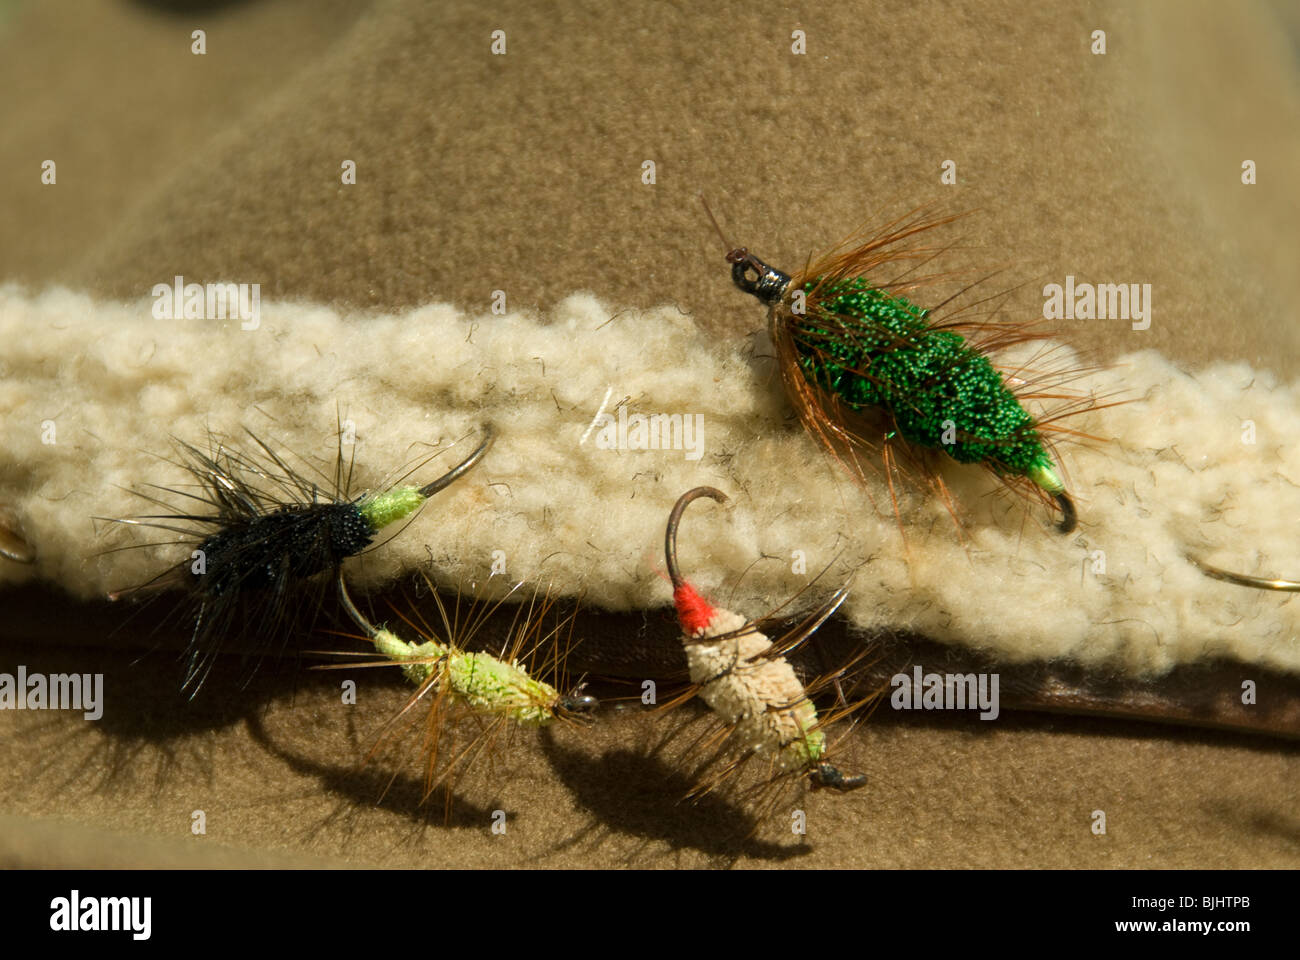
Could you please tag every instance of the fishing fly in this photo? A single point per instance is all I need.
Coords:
(496, 692)
(745, 679)
(848, 343)
(257, 556)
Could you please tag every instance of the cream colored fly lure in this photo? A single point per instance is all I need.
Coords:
(746, 680)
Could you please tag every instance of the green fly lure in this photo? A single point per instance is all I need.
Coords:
(485, 683)
(849, 344)
(493, 692)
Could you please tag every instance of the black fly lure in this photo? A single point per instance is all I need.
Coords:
(265, 535)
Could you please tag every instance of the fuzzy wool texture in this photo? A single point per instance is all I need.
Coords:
(1200, 461)
(763, 699)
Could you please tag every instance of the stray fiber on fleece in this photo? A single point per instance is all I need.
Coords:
(1172, 474)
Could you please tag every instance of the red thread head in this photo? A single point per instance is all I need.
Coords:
(693, 611)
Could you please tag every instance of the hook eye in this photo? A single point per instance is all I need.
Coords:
(755, 277)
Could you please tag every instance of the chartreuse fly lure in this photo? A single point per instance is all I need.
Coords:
(457, 683)
(484, 683)
(746, 680)
(265, 536)
(848, 343)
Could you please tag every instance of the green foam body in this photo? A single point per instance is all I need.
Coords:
(875, 349)
(810, 749)
(381, 509)
(486, 683)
